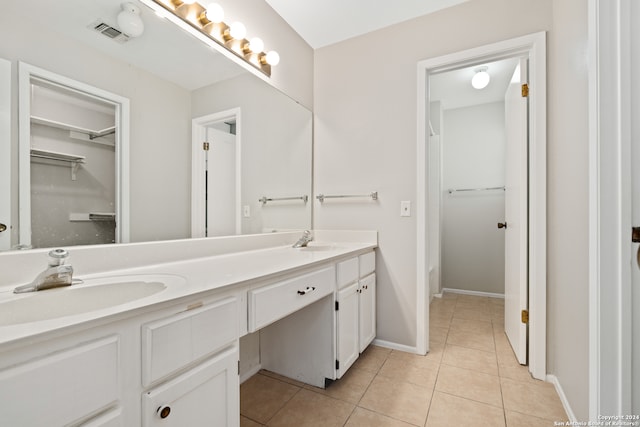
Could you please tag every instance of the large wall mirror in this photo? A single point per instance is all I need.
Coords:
(173, 83)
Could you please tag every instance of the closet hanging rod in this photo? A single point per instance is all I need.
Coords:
(455, 190)
(322, 197)
(265, 199)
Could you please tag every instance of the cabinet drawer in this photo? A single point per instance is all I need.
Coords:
(367, 263)
(273, 302)
(207, 395)
(61, 388)
(172, 343)
(347, 272)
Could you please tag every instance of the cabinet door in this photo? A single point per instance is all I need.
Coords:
(367, 311)
(347, 321)
(63, 387)
(207, 395)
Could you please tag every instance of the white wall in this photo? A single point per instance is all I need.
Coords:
(567, 211)
(276, 150)
(473, 157)
(365, 138)
(365, 104)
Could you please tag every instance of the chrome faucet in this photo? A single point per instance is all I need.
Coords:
(56, 275)
(304, 240)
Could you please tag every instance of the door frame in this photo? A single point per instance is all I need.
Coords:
(26, 73)
(610, 333)
(5, 148)
(198, 199)
(534, 45)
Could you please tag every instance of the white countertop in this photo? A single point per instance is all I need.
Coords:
(202, 274)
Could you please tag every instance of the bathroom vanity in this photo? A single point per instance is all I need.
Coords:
(169, 354)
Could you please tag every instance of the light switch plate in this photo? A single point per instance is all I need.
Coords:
(246, 211)
(405, 208)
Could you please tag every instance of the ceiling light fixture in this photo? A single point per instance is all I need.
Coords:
(207, 18)
(129, 20)
(481, 78)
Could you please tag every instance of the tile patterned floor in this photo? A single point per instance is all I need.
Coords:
(470, 378)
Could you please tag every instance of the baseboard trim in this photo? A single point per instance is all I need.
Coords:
(395, 346)
(475, 293)
(563, 398)
(251, 372)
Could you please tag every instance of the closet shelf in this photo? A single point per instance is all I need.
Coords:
(92, 216)
(93, 134)
(74, 160)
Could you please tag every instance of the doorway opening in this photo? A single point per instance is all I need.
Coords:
(73, 162)
(216, 175)
(531, 47)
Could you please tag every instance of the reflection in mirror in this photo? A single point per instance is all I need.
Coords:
(71, 145)
(163, 73)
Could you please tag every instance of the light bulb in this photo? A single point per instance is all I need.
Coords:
(129, 20)
(480, 79)
(256, 45)
(272, 57)
(214, 13)
(237, 30)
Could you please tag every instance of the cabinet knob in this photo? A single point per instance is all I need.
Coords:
(164, 411)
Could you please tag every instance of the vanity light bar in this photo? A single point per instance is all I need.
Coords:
(229, 36)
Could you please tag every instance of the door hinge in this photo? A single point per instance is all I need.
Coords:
(525, 316)
(205, 146)
(337, 364)
(525, 90)
(337, 305)
(238, 367)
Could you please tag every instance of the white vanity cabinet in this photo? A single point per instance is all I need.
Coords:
(207, 395)
(62, 385)
(204, 342)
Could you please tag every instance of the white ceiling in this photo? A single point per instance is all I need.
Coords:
(324, 22)
(164, 49)
(454, 90)
(171, 54)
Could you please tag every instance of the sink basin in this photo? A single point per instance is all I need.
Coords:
(92, 295)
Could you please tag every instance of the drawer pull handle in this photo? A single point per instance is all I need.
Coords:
(306, 291)
(163, 411)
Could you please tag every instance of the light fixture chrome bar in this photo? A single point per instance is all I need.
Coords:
(265, 199)
(373, 195)
(455, 190)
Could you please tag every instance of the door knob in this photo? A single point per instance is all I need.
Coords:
(502, 224)
(3, 227)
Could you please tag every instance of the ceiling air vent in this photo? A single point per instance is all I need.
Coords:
(109, 31)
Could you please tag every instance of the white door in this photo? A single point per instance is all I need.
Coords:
(516, 222)
(221, 183)
(5, 160)
(635, 206)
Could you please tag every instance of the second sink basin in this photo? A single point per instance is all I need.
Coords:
(92, 295)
